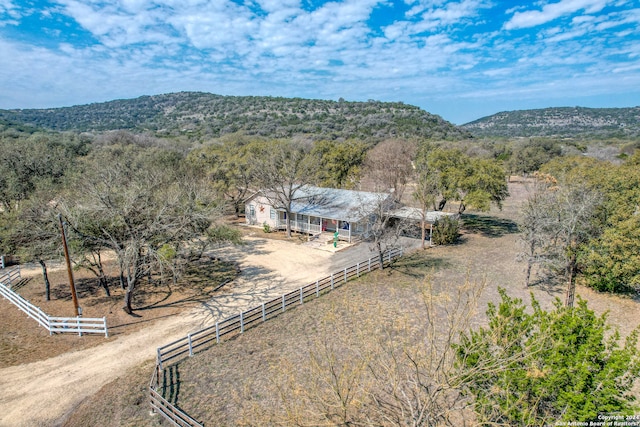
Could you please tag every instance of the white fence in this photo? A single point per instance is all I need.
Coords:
(79, 325)
(234, 325)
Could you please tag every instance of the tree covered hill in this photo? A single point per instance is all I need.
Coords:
(203, 115)
(565, 122)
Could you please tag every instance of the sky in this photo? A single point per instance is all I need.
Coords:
(460, 59)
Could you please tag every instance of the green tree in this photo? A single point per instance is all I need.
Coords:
(340, 163)
(529, 155)
(26, 163)
(142, 205)
(611, 262)
(473, 182)
(536, 368)
(483, 184)
(230, 165)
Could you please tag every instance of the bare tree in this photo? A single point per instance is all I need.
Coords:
(35, 233)
(382, 231)
(382, 372)
(284, 168)
(560, 219)
(535, 221)
(140, 205)
(389, 166)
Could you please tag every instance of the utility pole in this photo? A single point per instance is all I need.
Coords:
(69, 271)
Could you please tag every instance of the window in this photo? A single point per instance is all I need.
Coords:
(272, 213)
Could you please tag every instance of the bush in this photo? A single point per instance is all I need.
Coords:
(266, 227)
(533, 367)
(445, 231)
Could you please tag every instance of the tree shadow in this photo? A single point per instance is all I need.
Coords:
(87, 289)
(418, 265)
(199, 283)
(489, 226)
(548, 284)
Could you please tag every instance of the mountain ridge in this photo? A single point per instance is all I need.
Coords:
(563, 122)
(200, 115)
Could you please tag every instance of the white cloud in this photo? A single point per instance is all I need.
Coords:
(552, 11)
(11, 11)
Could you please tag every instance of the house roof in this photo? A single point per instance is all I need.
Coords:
(338, 204)
(415, 214)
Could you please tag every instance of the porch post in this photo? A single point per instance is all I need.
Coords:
(350, 225)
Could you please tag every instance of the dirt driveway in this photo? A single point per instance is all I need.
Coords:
(43, 393)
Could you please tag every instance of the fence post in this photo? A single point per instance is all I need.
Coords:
(190, 345)
(79, 324)
(317, 288)
(301, 296)
(358, 269)
(369, 265)
(389, 257)
(106, 333)
(345, 275)
(159, 359)
(283, 303)
(217, 332)
(331, 281)
(242, 322)
(264, 316)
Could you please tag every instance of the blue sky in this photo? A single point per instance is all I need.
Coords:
(461, 59)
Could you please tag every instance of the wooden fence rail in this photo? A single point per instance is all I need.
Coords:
(79, 325)
(239, 323)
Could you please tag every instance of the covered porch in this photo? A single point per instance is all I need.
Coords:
(315, 225)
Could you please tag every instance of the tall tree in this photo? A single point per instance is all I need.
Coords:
(230, 165)
(389, 166)
(34, 233)
(473, 182)
(285, 168)
(340, 163)
(426, 189)
(138, 203)
(563, 218)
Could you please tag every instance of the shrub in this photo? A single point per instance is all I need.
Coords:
(445, 231)
(266, 227)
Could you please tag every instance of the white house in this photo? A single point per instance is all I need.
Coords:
(315, 210)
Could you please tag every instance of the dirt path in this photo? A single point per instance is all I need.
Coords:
(42, 393)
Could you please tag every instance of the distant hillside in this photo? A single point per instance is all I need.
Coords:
(202, 115)
(567, 122)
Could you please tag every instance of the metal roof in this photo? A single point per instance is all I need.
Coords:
(333, 203)
(415, 214)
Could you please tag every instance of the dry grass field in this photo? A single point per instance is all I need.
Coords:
(249, 379)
